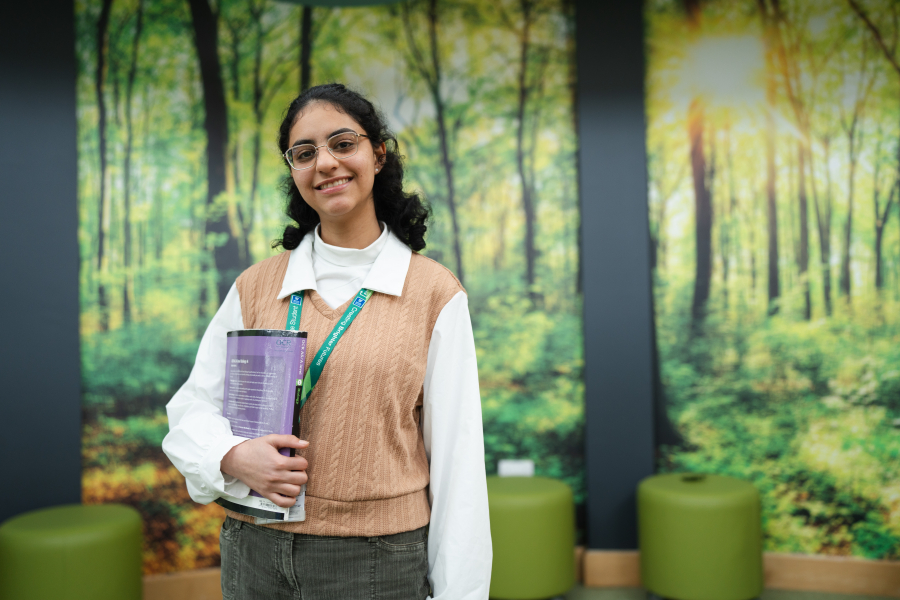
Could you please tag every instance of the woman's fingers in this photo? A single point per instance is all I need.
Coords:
(282, 501)
(287, 489)
(258, 463)
(295, 463)
(284, 441)
(295, 477)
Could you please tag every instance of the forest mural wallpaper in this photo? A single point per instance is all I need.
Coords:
(773, 158)
(178, 106)
(773, 155)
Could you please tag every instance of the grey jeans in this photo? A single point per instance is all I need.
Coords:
(268, 564)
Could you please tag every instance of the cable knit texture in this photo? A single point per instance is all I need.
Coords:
(368, 472)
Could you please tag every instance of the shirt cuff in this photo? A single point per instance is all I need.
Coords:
(211, 470)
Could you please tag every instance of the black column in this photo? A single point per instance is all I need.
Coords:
(40, 373)
(615, 247)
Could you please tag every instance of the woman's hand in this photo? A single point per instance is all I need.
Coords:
(257, 463)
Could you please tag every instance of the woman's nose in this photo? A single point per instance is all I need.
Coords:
(325, 162)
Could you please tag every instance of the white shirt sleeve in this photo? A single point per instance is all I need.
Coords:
(199, 436)
(459, 537)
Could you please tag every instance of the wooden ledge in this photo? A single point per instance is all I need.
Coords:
(199, 584)
(622, 568)
(835, 574)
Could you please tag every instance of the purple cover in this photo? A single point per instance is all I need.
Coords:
(263, 371)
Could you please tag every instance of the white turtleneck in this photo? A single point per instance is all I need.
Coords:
(340, 271)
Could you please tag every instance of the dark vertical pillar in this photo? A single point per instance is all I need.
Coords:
(615, 246)
(40, 444)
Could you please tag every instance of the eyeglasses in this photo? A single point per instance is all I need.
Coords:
(341, 146)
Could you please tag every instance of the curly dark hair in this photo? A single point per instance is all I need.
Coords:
(407, 214)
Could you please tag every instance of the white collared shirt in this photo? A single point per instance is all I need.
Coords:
(459, 541)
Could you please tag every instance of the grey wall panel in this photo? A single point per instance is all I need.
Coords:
(619, 442)
(40, 444)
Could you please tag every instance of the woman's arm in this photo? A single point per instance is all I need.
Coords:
(199, 436)
(459, 537)
(200, 443)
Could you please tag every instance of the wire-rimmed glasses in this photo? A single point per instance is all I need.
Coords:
(341, 146)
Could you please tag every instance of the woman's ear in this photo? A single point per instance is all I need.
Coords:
(380, 155)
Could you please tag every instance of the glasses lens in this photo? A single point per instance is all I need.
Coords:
(302, 155)
(343, 145)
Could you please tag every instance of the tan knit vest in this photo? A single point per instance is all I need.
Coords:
(368, 472)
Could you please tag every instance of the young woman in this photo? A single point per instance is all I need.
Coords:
(391, 447)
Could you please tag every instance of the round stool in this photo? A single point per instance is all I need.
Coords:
(74, 552)
(700, 537)
(533, 534)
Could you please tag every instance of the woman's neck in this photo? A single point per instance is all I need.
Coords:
(351, 231)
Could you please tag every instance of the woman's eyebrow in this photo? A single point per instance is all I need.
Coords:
(330, 135)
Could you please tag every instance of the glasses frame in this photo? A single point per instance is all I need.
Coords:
(325, 145)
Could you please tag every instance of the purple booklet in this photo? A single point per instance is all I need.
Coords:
(263, 377)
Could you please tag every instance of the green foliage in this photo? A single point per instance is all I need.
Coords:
(871, 539)
(530, 370)
(111, 442)
(134, 368)
(810, 425)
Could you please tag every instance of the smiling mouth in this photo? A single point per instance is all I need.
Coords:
(333, 183)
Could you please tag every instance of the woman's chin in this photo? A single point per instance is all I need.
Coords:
(340, 205)
(336, 208)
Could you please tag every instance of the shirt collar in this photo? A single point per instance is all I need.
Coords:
(388, 273)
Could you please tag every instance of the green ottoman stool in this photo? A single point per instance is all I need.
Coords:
(74, 552)
(700, 537)
(533, 534)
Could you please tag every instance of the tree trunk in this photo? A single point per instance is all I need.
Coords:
(881, 219)
(225, 257)
(442, 133)
(703, 215)
(129, 141)
(825, 231)
(527, 199)
(247, 219)
(844, 281)
(890, 54)
(803, 251)
(729, 205)
(568, 8)
(823, 227)
(305, 48)
(99, 80)
(234, 69)
(774, 287)
(753, 210)
(702, 195)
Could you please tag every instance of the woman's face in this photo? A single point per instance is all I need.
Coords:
(334, 188)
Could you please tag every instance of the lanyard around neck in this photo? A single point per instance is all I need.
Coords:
(311, 377)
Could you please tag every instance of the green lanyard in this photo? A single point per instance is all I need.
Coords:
(293, 324)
